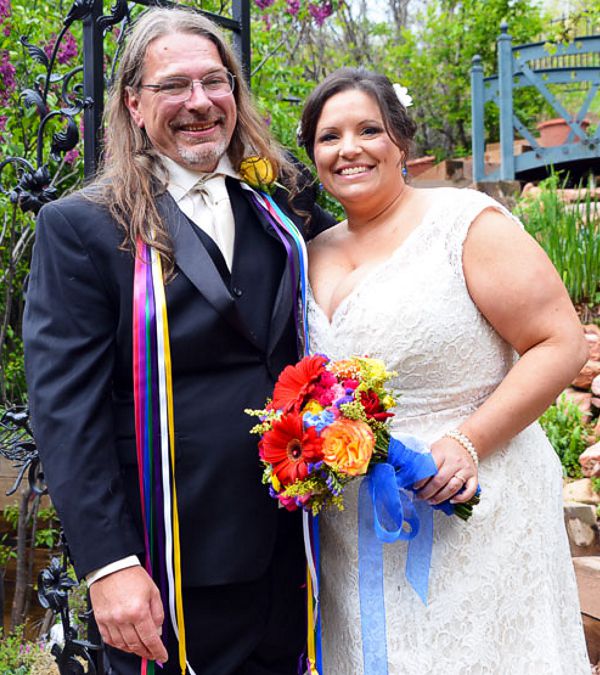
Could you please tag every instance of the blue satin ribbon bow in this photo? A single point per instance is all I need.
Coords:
(388, 512)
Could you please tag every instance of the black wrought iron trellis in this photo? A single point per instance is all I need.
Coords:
(34, 185)
(31, 189)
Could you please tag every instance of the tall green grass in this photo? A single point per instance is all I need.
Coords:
(570, 235)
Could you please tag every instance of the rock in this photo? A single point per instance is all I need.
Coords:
(580, 491)
(587, 375)
(580, 533)
(590, 461)
(595, 401)
(595, 387)
(586, 513)
(593, 343)
(592, 329)
(582, 399)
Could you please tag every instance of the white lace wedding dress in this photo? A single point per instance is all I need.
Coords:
(502, 594)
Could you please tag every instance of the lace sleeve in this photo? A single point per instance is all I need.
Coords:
(468, 205)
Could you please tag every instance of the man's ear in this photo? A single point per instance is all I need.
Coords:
(132, 101)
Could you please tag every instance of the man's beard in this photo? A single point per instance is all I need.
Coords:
(203, 158)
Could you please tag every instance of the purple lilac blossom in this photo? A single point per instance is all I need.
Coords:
(320, 12)
(5, 10)
(67, 49)
(7, 77)
(293, 7)
(72, 156)
(263, 4)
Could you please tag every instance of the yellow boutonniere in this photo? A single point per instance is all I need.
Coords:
(258, 173)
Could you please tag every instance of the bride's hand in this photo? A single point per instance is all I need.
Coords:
(455, 470)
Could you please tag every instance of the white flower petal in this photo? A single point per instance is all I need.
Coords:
(403, 95)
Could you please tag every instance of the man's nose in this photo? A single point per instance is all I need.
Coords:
(198, 99)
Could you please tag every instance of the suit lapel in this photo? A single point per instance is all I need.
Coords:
(197, 265)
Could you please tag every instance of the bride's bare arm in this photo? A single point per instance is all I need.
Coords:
(515, 286)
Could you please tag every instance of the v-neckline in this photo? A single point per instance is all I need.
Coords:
(372, 273)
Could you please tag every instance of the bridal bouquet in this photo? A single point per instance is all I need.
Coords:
(328, 422)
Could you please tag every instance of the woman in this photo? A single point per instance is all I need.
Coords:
(446, 287)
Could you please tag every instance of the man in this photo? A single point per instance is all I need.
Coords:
(179, 122)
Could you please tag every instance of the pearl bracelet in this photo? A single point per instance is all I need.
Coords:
(465, 441)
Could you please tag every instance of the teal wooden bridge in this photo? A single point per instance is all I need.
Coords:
(536, 65)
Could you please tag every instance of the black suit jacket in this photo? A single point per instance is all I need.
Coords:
(228, 344)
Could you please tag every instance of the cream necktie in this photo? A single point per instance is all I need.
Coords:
(217, 218)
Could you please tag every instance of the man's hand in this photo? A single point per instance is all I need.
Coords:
(129, 612)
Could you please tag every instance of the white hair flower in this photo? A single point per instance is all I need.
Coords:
(403, 95)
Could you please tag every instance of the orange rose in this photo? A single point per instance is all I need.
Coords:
(348, 446)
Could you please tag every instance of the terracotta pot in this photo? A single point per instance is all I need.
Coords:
(556, 131)
(419, 165)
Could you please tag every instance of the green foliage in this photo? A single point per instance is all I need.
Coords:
(17, 655)
(7, 552)
(565, 427)
(570, 236)
(48, 526)
(47, 534)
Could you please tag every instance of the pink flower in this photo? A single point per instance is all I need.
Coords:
(323, 389)
(263, 4)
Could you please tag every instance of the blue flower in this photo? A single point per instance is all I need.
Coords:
(320, 421)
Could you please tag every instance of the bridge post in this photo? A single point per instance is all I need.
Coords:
(477, 115)
(505, 86)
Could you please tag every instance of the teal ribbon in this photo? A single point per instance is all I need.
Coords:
(388, 512)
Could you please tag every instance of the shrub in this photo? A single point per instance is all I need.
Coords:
(569, 235)
(17, 655)
(565, 427)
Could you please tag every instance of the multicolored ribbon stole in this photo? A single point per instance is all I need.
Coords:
(287, 232)
(282, 225)
(155, 439)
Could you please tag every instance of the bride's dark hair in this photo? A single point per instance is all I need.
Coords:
(398, 124)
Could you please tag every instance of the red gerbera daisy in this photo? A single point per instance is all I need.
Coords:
(295, 383)
(290, 449)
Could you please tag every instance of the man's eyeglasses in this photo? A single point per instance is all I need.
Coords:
(179, 89)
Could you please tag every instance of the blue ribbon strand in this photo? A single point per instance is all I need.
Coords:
(387, 512)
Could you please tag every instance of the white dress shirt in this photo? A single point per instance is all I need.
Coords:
(204, 200)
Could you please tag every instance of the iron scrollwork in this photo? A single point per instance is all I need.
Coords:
(75, 657)
(34, 186)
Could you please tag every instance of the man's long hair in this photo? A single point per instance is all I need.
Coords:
(132, 174)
